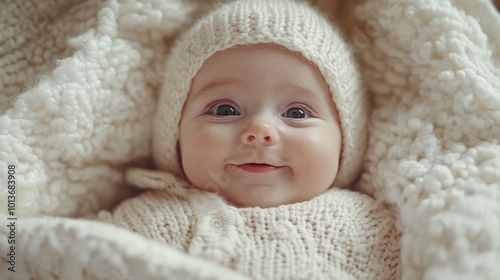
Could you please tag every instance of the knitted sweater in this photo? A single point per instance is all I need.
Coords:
(338, 235)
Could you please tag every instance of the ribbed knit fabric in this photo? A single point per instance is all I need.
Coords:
(338, 235)
(291, 24)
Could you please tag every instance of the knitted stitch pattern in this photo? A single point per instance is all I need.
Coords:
(338, 235)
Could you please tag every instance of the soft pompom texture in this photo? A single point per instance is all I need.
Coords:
(434, 147)
(94, 68)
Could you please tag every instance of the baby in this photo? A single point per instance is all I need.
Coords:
(260, 127)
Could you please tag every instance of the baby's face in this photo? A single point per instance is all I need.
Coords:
(260, 127)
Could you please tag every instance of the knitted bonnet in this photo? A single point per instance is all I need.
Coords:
(293, 25)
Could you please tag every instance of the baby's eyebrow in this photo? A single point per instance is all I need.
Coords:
(294, 88)
(215, 84)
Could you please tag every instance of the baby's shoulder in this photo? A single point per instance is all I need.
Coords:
(163, 193)
(341, 206)
(147, 205)
(337, 199)
(159, 215)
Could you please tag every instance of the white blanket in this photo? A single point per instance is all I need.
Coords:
(77, 94)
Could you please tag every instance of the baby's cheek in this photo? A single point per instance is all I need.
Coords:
(205, 150)
(210, 137)
(320, 153)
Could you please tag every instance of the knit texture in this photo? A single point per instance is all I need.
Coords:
(338, 235)
(293, 25)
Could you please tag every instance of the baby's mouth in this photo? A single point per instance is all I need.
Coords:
(258, 167)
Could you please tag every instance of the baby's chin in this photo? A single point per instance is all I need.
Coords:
(262, 200)
(263, 194)
(243, 203)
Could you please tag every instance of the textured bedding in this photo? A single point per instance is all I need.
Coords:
(77, 96)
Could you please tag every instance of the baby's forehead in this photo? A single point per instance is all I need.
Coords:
(243, 61)
(258, 52)
(279, 49)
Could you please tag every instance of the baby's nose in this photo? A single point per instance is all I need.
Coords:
(259, 133)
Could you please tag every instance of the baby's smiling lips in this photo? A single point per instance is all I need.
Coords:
(258, 167)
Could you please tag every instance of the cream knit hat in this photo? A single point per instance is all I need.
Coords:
(291, 24)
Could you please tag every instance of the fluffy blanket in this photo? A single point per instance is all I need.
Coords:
(78, 82)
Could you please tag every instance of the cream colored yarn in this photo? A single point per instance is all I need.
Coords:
(338, 235)
(293, 25)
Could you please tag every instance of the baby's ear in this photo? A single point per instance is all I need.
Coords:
(153, 179)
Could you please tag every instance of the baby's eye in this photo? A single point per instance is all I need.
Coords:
(296, 113)
(224, 110)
